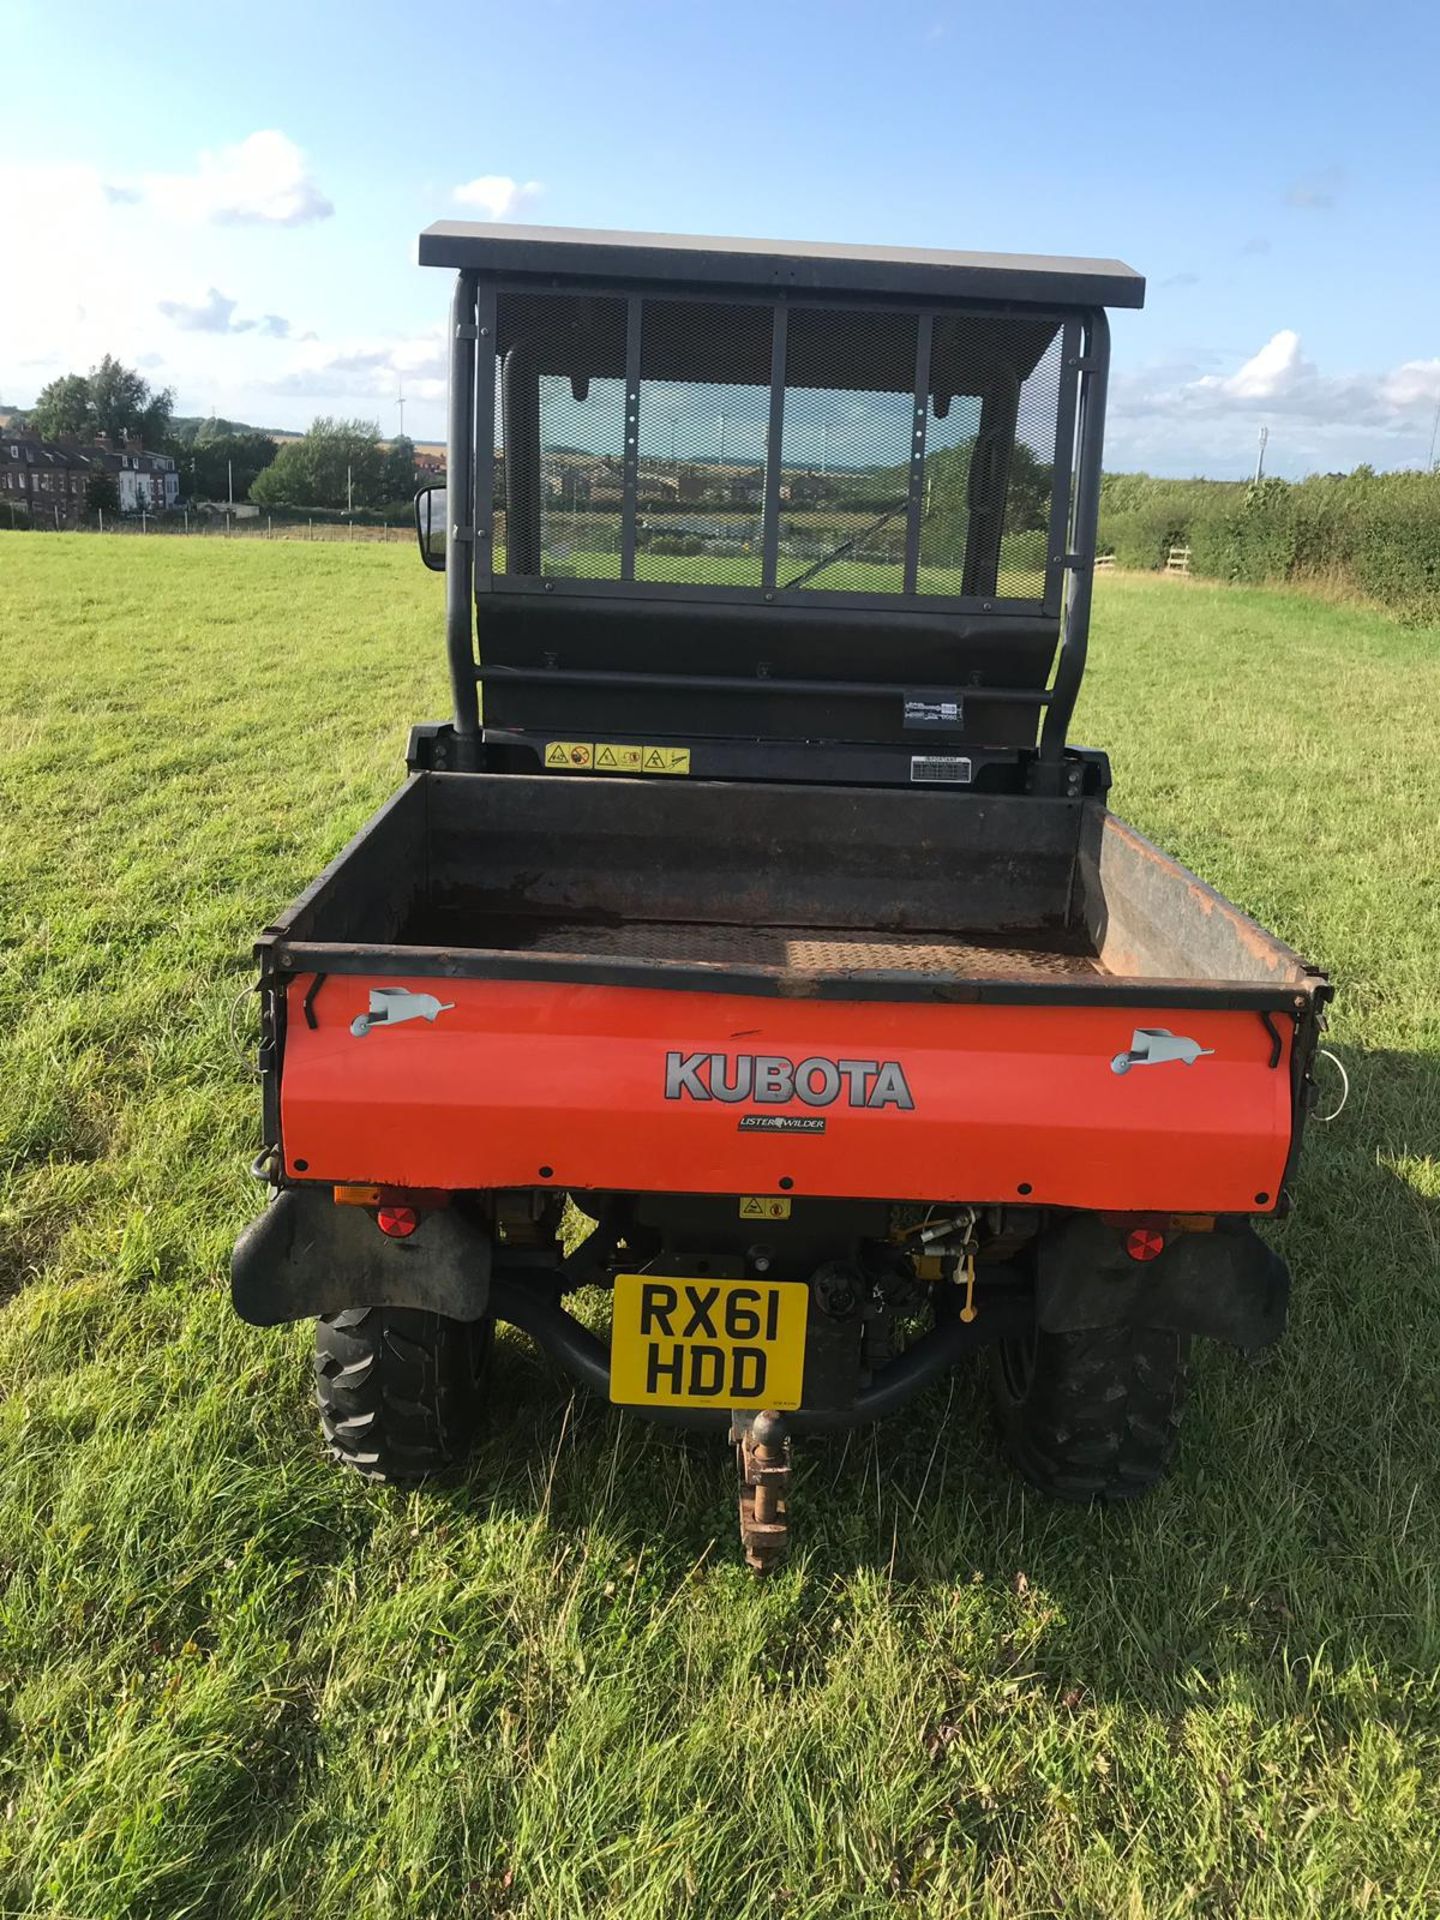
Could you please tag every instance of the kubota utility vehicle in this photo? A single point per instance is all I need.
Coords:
(766, 912)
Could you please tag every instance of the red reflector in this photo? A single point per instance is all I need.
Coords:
(398, 1222)
(1144, 1243)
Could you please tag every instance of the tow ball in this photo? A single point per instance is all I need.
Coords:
(762, 1453)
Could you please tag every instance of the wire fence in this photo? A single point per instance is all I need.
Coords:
(207, 526)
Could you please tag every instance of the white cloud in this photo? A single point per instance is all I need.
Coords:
(213, 314)
(1415, 383)
(264, 181)
(96, 267)
(1268, 375)
(370, 368)
(498, 196)
(1178, 419)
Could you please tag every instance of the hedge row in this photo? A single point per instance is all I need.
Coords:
(1379, 533)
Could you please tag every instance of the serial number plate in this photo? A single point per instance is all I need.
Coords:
(707, 1343)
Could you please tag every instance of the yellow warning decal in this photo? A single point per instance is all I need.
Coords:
(610, 758)
(570, 753)
(584, 756)
(666, 760)
(763, 1206)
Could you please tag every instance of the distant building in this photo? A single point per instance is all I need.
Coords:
(50, 478)
(746, 489)
(146, 481)
(47, 480)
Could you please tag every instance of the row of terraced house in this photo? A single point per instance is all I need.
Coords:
(50, 479)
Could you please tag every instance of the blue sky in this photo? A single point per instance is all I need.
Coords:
(231, 196)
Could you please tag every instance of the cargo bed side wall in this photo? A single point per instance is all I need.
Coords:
(747, 855)
(374, 883)
(1151, 918)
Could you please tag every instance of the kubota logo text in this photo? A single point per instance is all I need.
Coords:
(770, 1080)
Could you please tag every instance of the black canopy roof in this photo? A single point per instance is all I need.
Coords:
(814, 267)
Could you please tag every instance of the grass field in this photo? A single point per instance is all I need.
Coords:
(234, 1683)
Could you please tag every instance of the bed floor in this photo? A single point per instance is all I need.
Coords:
(805, 950)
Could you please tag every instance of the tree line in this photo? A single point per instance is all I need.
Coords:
(336, 463)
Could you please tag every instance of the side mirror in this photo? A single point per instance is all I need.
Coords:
(432, 525)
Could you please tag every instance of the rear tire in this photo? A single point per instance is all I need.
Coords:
(1090, 1416)
(399, 1389)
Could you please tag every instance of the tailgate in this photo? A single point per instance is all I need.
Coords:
(476, 1083)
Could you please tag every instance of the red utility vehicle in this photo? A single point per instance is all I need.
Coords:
(769, 916)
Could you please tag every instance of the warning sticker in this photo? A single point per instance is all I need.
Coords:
(586, 756)
(610, 758)
(950, 769)
(763, 1206)
(569, 753)
(666, 760)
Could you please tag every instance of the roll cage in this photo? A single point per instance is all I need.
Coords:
(776, 494)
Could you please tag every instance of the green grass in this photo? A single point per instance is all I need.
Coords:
(234, 1683)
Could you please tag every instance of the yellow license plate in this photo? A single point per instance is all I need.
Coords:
(707, 1343)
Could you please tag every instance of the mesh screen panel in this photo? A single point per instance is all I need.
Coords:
(1026, 536)
(704, 409)
(582, 467)
(990, 428)
(848, 460)
(561, 404)
(944, 515)
(845, 450)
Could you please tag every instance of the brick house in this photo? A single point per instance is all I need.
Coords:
(49, 478)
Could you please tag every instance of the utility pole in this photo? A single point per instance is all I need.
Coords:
(1260, 456)
(349, 489)
(230, 483)
(1435, 429)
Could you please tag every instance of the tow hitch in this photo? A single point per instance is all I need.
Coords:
(762, 1453)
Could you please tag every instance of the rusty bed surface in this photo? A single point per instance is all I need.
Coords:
(788, 949)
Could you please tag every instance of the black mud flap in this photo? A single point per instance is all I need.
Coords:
(1226, 1285)
(306, 1256)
